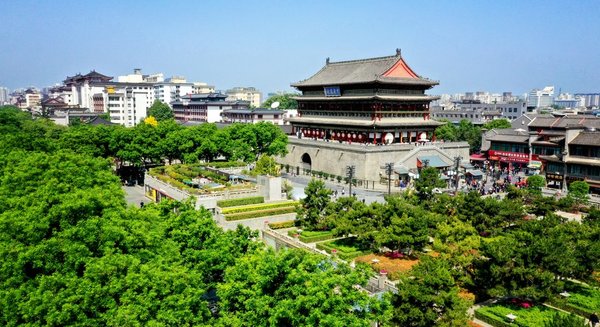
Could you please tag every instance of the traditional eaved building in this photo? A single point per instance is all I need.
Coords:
(377, 100)
(367, 114)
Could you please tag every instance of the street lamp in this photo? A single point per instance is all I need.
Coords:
(457, 161)
(350, 173)
(564, 160)
(389, 167)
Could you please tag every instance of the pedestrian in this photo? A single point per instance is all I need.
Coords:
(141, 204)
(594, 319)
(336, 193)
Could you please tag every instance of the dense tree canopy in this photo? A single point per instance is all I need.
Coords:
(497, 123)
(285, 100)
(464, 131)
(160, 111)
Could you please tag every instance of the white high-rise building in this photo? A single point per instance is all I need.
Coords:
(4, 96)
(128, 103)
(172, 89)
(541, 98)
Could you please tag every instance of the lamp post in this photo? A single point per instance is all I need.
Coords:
(457, 161)
(350, 173)
(388, 170)
(564, 160)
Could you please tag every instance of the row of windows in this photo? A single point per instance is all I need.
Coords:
(361, 114)
(518, 148)
(545, 151)
(581, 170)
(585, 151)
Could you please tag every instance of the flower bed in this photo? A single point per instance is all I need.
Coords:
(308, 236)
(259, 213)
(344, 248)
(261, 206)
(240, 201)
(394, 266)
(535, 316)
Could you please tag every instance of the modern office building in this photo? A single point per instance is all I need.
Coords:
(541, 98)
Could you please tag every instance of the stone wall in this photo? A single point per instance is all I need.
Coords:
(334, 157)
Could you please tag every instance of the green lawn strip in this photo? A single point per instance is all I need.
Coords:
(240, 201)
(308, 236)
(260, 213)
(260, 206)
(496, 315)
(345, 248)
(282, 224)
(582, 300)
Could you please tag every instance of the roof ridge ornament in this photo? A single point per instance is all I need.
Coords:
(399, 52)
(327, 61)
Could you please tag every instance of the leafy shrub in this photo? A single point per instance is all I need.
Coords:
(240, 201)
(312, 236)
(260, 213)
(255, 207)
(344, 248)
(282, 224)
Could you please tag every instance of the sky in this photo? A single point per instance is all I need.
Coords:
(480, 45)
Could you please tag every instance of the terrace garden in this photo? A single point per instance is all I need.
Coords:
(515, 312)
(201, 178)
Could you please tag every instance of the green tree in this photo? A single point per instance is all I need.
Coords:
(446, 132)
(311, 211)
(285, 100)
(296, 288)
(429, 178)
(497, 124)
(466, 131)
(535, 183)
(579, 191)
(161, 111)
(428, 297)
(266, 165)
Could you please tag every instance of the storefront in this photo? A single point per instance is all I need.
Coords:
(510, 160)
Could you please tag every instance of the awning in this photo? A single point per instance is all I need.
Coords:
(432, 161)
(475, 172)
(401, 170)
(477, 157)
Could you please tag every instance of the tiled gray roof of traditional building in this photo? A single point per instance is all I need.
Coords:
(360, 71)
(259, 111)
(587, 138)
(566, 121)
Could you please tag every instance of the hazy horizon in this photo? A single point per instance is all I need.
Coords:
(466, 45)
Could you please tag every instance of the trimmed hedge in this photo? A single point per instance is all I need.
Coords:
(492, 319)
(328, 246)
(313, 236)
(260, 206)
(283, 224)
(259, 213)
(240, 201)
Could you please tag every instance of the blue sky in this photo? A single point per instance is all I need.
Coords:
(466, 45)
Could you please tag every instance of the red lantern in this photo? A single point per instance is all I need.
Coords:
(360, 136)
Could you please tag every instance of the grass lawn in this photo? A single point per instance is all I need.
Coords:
(582, 299)
(394, 267)
(535, 316)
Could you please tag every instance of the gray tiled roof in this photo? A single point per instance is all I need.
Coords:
(566, 121)
(360, 71)
(587, 138)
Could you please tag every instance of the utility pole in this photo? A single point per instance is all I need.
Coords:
(457, 161)
(350, 173)
(389, 167)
